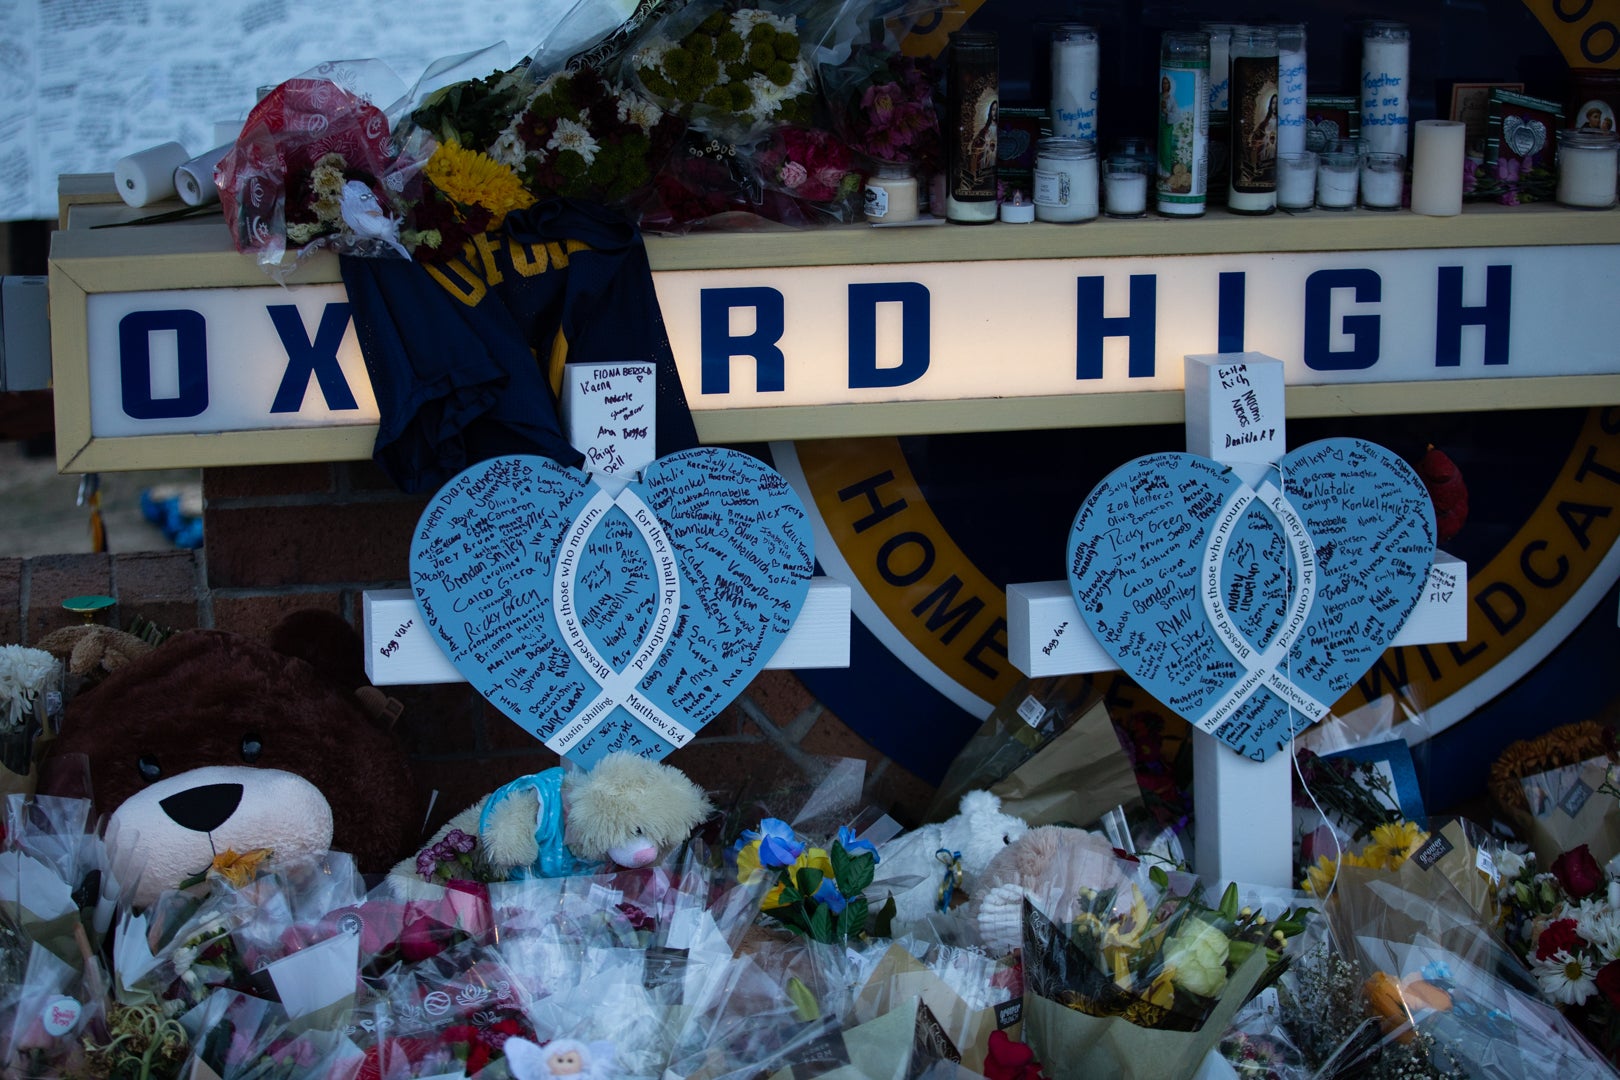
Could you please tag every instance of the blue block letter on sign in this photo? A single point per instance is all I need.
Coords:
(305, 359)
(1363, 330)
(863, 301)
(717, 346)
(135, 332)
(1091, 326)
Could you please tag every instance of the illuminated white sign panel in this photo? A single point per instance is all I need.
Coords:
(940, 331)
(209, 360)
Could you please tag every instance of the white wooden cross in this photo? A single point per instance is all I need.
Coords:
(607, 414)
(1243, 808)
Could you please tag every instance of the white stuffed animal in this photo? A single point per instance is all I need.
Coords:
(1049, 865)
(911, 869)
(568, 1059)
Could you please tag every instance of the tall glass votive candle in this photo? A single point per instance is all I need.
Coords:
(1296, 181)
(1337, 178)
(1074, 81)
(1065, 180)
(1183, 150)
(1385, 106)
(1382, 178)
(1253, 159)
(1291, 88)
(973, 105)
(1438, 150)
(1586, 169)
(1125, 186)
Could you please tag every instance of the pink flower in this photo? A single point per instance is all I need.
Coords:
(880, 101)
(793, 175)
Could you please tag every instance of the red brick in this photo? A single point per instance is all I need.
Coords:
(11, 613)
(260, 547)
(780, 696)
(738, 774)
(54, 578)
(260, 481)
(254, 616)
(160, 586)
(831, 737)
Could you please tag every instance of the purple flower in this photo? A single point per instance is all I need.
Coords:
(778, 846)
(461, 843)
(427, 864)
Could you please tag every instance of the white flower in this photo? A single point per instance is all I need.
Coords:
(1565, 978)
(24, 672)
(651, 55)
(183, 958)
(1510, 863)
(745, 20)
(571, 135)
(508, 148)
(637, 110)
(1196, 957)
(1598, 923)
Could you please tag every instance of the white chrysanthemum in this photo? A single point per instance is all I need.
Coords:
(572, 135)
(746, 19)
(651, 56)
(768, 98)
(1599, 923)
(509, 148)
(1565, 978)
(23, 675)
(637, 110)
(1510, 864)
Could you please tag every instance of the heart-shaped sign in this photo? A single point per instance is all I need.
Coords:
(1524, 137)
(1250, 612)
(600, 622)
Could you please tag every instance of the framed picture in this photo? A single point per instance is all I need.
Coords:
(1471, 103)
(1521, 127)
(1329, 119)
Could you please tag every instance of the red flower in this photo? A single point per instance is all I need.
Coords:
(1009, 1060)
(1578, 872)
(1559, 936)
(1608, 981)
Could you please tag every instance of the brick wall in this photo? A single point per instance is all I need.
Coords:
(284, 537)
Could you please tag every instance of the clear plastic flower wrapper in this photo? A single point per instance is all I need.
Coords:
(31, 683)
(54, 873)
(1142, 978)
(966, 993)
(52, 1016)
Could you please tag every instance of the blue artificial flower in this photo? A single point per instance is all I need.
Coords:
(852, 846)
(778, 846)
(827, 893)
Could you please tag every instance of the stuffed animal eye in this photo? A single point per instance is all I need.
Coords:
(252, 747)
(1005, 839)
(149, 768)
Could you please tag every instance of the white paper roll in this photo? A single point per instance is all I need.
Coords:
(148, 176)
(1438, 148)
(195, 179)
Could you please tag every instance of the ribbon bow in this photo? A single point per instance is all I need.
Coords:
(952, 861)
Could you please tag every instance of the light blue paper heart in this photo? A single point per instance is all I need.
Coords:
(600, 623)
(1251, 613)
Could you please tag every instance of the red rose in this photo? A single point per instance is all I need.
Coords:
(1608, 981)
(1578, 872)
(1559, 936)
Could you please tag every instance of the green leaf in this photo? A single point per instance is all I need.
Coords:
(821, 924)
(804, 1001)
(1229, 902)
(856, 911)
(857, 873)
(883, 921)
(1239, 952)
(1159, 877)
(809, 880)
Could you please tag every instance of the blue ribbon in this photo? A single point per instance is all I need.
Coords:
(953, 876)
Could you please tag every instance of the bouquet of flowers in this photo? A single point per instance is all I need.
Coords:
(734, 72)
(26, 676)
(817, 892)
(882, 103)
(1509, 180)
(815, 170)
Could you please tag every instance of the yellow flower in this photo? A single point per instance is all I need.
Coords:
(472, 178)
(812, 859)
(1123, 938)
(237, 870)
(1394, 843)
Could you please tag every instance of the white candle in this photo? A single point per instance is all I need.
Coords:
(1438, 149)
(1074, 82)
(1291, 88)
(1586, 169)
(1385, 109)
(1382, 177)
(1336, 181)
(1065, 180)
(1296, 180)
(891, 195)
(1220, 82)
(1125, 185)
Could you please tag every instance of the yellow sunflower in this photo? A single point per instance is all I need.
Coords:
(473, 178)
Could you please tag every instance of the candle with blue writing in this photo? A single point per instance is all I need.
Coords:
(1183, 151)
(1291, 78)
(1254, 103)
(1220, 126)
(1074, 81)
(973, 102)
(1386, 54)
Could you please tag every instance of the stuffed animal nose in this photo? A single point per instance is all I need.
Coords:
(205, 808)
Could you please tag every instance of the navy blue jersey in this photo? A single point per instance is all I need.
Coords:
(466, 356)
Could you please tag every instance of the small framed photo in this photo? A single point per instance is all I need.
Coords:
(1329, 118)
(1471, 103)
(1522, 127)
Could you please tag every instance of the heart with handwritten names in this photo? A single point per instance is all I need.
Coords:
(604, 622)
(1250, 611)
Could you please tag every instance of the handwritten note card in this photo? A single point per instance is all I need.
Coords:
(1250, 612)
(607, 410)
(603, 623)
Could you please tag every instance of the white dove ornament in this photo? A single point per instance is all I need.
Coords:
(364, 214)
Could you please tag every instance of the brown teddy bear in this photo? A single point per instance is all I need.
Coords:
(214, 741)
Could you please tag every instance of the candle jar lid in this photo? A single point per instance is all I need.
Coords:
(891, 170)
(1587, 139)
(1058, 148)
(1384, 30)
(1253, 37)
(1070, 31)
(972, 39)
